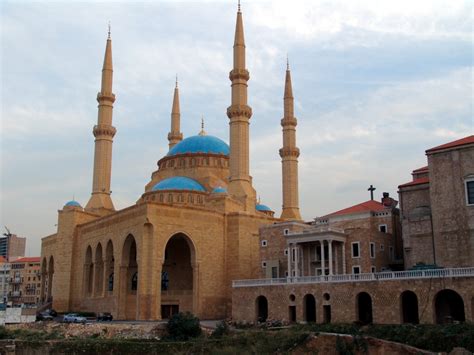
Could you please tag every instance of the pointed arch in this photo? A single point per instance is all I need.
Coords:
(50, 279)
(44, 276)
(98, 270)
(129, 275)
(109, 267)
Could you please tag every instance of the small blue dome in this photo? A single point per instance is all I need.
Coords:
(73, 203)
(261, 207)
(200, 144)
(219, 189)
(178, 183)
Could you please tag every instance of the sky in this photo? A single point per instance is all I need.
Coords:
(376, 83)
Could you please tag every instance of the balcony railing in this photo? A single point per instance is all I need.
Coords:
(380, 276)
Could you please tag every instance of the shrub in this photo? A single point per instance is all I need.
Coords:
(183, 326)
(221, 329)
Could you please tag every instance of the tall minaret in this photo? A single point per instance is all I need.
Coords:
(175, 136)
(239, 113)
(289, 155)
(100, 201)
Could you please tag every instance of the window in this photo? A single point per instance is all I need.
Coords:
(274, 272)
(286, 231)
(382, 248)
(372, 250)
(293, 255)
(356, 250)
(286, 251)
(164, 281)
(392, 255)
(372, 269)
(469, 183)
(135, 281)
(264, 243)
(111, 282)
(356, 269)
(383, 228)
(264, 264)
(286, 273)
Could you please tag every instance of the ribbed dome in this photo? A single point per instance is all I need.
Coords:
(200, 144)
(73, 203)
(260, 207)
(178, 183)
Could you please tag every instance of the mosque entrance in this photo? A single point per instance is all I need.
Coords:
(177, 277)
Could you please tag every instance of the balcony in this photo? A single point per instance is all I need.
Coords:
(381, 276)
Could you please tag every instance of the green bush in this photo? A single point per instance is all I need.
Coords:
(221, 329)
(183, 326)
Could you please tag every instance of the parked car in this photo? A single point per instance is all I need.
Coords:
(52, 312)
(104, 317)
(74, 318)
(44, 316)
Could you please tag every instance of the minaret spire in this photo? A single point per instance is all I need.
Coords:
(175, 136)
(239, 113)
(100, 201)
(289, 154)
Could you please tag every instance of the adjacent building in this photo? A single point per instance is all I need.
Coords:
(25, 282)
(12, 247)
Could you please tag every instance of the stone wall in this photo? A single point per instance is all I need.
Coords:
(342, 297)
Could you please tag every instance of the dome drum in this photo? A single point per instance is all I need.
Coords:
(194, 160)
(174, 197)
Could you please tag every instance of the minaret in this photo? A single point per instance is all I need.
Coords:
(289, 155)
(100, 201)
(239, 113)
(175, 136)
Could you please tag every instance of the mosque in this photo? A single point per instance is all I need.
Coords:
(190, 233)
(198, 240)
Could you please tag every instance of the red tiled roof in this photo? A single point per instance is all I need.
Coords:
(457, 143)
(422, 180)
(366, 206)
(31, 259)
(419, 170)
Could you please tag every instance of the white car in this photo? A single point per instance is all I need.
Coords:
(74, 318)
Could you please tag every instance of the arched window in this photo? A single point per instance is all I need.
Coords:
(135, 281)
(161, 197)
(164, 281)
(111, 282)
(170, 198)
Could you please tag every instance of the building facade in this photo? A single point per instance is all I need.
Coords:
(12, 247)
(198, 240)
(25, 282)
(193, 230)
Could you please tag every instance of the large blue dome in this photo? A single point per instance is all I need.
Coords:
(200, 144)
(178, 183)
(73, 203)
(262, 208)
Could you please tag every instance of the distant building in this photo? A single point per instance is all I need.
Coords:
(12, 247)
(25, 281)
(5, 267)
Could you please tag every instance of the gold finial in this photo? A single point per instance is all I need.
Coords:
(176, 81)
(238, 6)
(203, 132)
(259, 200)
(287, 62)
(108, 34)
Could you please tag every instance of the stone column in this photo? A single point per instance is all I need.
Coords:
(330, 256)
(322, 258)
(296, 260)
(336, 259)
(289, 260)
(196, 306)
(344, 257)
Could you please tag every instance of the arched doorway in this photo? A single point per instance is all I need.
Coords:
(178, 277)
(309, 306)
(129, 275)
(261, 305)
(409, 307)
(364, 308)
(99, 271)
(50, 279)
(449, 307)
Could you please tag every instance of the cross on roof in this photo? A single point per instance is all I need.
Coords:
(371, 189)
